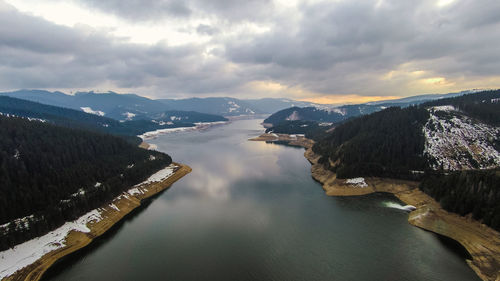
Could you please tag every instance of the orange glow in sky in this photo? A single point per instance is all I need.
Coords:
(345, 99)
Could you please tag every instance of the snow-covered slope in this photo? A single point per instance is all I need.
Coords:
(454, 141)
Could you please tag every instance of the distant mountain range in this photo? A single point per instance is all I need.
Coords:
(334, 114)
(67, 117)
(133, 107)
(129, 107)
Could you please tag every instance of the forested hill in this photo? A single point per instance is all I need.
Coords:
(432, 142)
(449, 134)
(388, 143)
(305, 114)
(52, 174)
(484, 106)
(188, 116)
(77, 119)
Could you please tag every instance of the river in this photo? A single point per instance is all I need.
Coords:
(251, 211)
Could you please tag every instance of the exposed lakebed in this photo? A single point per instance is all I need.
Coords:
(251, 211)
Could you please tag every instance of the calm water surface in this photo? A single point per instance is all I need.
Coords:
(251, 211)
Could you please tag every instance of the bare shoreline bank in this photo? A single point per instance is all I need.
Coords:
(111, 214)
(480, 241)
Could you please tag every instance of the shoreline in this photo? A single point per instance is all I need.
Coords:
(199, 126)
(111, 214)
(480, 241)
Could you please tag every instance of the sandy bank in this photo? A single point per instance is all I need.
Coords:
(482, 242)
(144, 145)
(295, 140)
(111, 213)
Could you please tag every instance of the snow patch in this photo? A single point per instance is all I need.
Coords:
(28, 118)
(160, 175)
(134, 191)
(114, 207)
(89, 110)
(360, 182)
(294, 116)
(340, 111)
(129, 115)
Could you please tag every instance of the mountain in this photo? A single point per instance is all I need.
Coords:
(118, 106)
(336, 114)
(443, 143)
(77, 119)
(321, 114)
(187, 117)
(129, 107)
(110, 104)
(52, 174)
(231, 106)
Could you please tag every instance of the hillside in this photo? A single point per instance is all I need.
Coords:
(187, 117)
(425, 142)
(126, 107)
(77, 119)
(338, 114)
(321, 114)
(52, 174)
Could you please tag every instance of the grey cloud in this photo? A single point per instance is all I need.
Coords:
(141, 10)
(72, 57)
(205, 29)
(341, 47)
(151, 10)
(346, 47)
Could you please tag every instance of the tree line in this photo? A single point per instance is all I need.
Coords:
(51, 173)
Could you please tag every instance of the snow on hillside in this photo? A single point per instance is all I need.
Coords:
(294, 116)
(128, 115)
(91, 111)
(455, 142)
(340, 111)
(358, 182)
(28, 252)
(233, 106)
(28, 118)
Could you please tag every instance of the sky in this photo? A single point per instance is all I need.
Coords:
(338, 51)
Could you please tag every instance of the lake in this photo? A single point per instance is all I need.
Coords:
(251, 211)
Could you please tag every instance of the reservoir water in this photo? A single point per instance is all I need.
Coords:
(251, 211)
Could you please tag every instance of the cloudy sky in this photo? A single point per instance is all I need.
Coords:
(324, 51)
